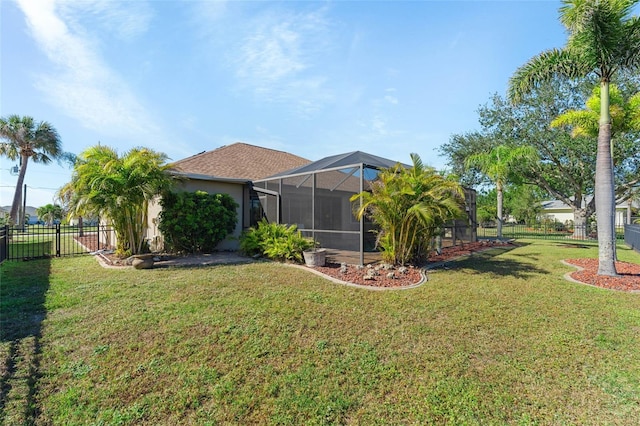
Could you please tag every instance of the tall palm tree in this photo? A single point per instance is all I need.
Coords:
(603, 39)
(409, 205)
(105, 184)
(24, 139)
(497, 165)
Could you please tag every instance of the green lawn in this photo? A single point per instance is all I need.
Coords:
(494, 340)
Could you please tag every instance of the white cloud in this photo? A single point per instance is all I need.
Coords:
(125, 19)
(83, 86)
(278, 57)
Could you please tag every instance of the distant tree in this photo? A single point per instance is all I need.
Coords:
(119, 188)
(486, 210)
(498, 165)
(524, 203)
(24, 140)
(409, 205)
(603, 39)
(566, 168)
(50, 213)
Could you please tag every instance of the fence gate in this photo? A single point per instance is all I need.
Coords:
(38, 241)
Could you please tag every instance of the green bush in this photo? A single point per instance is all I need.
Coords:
(275, 241)
(195, 222)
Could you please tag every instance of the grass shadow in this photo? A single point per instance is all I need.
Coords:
(490, 262)
(23, 288)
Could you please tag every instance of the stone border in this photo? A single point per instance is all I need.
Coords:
(423, 280)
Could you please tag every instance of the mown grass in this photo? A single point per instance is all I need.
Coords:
(499, 338)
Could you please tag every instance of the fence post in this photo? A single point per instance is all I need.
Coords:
(58, 240)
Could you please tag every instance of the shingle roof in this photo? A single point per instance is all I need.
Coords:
(239, 161)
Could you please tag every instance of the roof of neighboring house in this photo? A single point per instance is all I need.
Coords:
(238, 161)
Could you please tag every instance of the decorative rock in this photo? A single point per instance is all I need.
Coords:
(403, 270)
(371, 273)
(343, 268)
(142, 262)
(391, 275)
(359, 267)
(368, 277)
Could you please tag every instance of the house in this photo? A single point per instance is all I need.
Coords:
(561, 212)
(229, 169)
(289, 189)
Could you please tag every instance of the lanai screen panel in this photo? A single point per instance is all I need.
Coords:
(296, 201)
(319, 204)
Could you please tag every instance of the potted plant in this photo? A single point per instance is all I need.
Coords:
(315, 256)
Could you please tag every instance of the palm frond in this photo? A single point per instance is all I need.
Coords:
(542, 68)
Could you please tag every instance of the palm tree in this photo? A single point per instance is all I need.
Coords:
(603, 39)
(50, 213)
(409, 205)
(25, 139)
(118, 188)
(625, 114)
(497, 165)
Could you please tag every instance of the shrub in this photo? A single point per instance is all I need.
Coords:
(196, 222)
(275, 241)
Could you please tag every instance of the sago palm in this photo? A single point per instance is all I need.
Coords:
(603, 39)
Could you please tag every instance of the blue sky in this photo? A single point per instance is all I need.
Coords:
(311, 78)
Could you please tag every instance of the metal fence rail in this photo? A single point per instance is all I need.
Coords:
(38, 241)
(632, 236)
(546, 232)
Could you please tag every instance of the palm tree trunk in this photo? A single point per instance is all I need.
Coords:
(499, 190)
(17, 195)
(604, 190)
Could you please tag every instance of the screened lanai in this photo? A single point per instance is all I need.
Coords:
(316, 198)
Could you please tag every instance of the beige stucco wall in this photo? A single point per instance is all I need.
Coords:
(565, 215)
(235, 190)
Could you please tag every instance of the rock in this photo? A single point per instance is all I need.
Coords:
(142, 263)
(391, 275)
(403, 270)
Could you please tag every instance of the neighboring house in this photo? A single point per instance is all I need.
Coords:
(229, 169)
(561, 212)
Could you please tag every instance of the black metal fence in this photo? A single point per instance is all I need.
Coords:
(548, 232)
(632, 236)
(39, 241)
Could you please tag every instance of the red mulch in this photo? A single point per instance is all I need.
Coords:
(629, 279)
(354, 275)
(412, 276)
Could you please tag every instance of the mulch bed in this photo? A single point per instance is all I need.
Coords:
(629, 279)
(355, 275)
